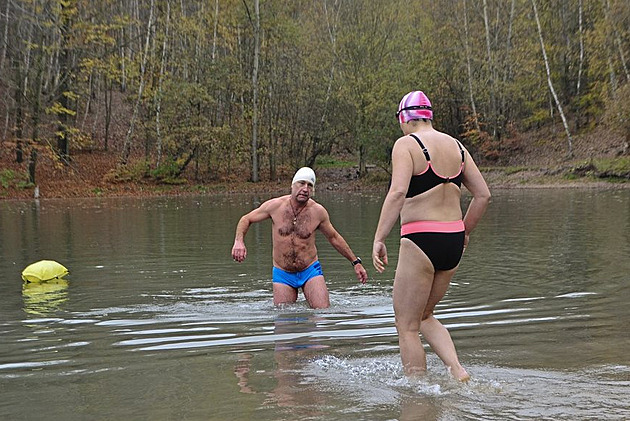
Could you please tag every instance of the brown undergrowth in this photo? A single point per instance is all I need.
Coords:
(534, 161)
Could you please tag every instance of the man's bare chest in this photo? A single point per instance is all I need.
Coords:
(288, 226)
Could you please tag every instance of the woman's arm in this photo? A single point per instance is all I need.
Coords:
(402, 169)
(476, 185)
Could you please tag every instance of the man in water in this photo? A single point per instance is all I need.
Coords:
(295, 217)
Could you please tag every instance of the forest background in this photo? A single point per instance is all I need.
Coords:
(141, 97)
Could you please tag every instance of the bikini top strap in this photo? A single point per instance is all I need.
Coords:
(424, 149)
(461, 149)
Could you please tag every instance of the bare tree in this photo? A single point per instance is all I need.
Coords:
(214, 31)
(581, 35)
(63, 132)
(550, 83)
(492, 65)
(143, 67)
(5, 41)
(158, 95)
(469, 69)
(254, 149)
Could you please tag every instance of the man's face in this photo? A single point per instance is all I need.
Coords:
(302, 191)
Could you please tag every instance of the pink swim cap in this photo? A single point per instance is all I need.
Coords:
(414, 106)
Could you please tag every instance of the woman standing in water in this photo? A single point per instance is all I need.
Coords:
(428, 169)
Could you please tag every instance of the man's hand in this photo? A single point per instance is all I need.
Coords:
(362, 275)
(379, 256)
(239, 251)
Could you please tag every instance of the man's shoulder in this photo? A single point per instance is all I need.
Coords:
(275, 202)
(316, 207)
(279, 199)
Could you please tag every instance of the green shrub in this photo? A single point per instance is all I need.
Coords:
(608, 168)
(377, 177)
(167, 169)
(167, 173)
(6, 178)
(614, 167)
(327, 161)
(127, 173)
(514, 170)
(9, 179)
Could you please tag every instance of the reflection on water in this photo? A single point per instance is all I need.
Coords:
(157, 322)
(293, 348)
(42, 298)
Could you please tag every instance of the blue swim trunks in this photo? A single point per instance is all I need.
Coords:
(297, 279)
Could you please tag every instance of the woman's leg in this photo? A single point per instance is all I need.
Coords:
(436, 335)
(412, 285)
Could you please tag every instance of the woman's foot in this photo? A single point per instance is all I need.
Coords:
(459, 373)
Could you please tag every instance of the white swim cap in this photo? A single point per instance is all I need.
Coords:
(304, 174)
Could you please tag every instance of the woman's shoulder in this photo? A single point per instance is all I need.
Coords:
(405, 142)
(437, 135)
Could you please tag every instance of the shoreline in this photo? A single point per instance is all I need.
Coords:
(153, 190)
(90, 176)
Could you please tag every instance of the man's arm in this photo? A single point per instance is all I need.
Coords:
(340, 244)
(239, 251)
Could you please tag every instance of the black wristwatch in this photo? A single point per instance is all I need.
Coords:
(357, 262)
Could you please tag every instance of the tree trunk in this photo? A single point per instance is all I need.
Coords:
(22, 85)
(32, 164)
(469, 68)
(19, 112)
(37, 101)
(549, 82)
(254, 151)
(214, 32)
(5, 42)
(124, 159)
(579, 115)
(88, 103)
(270, 125)
(612, 75)
(321, 137)
(109, 88)
(622, 56)
(158, 106)
(507, 69)
(6, 125)
(581, 63)
(52, 74)
(362, 161)
(63, 134)
(123, 59)
(492, 71)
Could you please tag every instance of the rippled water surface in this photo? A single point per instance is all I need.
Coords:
(155, 321)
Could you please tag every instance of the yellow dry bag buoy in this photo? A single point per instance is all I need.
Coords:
(44, 270)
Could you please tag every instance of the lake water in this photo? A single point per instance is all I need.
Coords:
(156, 322)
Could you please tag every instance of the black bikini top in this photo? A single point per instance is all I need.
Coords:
(428, 178)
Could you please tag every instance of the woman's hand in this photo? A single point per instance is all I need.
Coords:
(379, 256)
